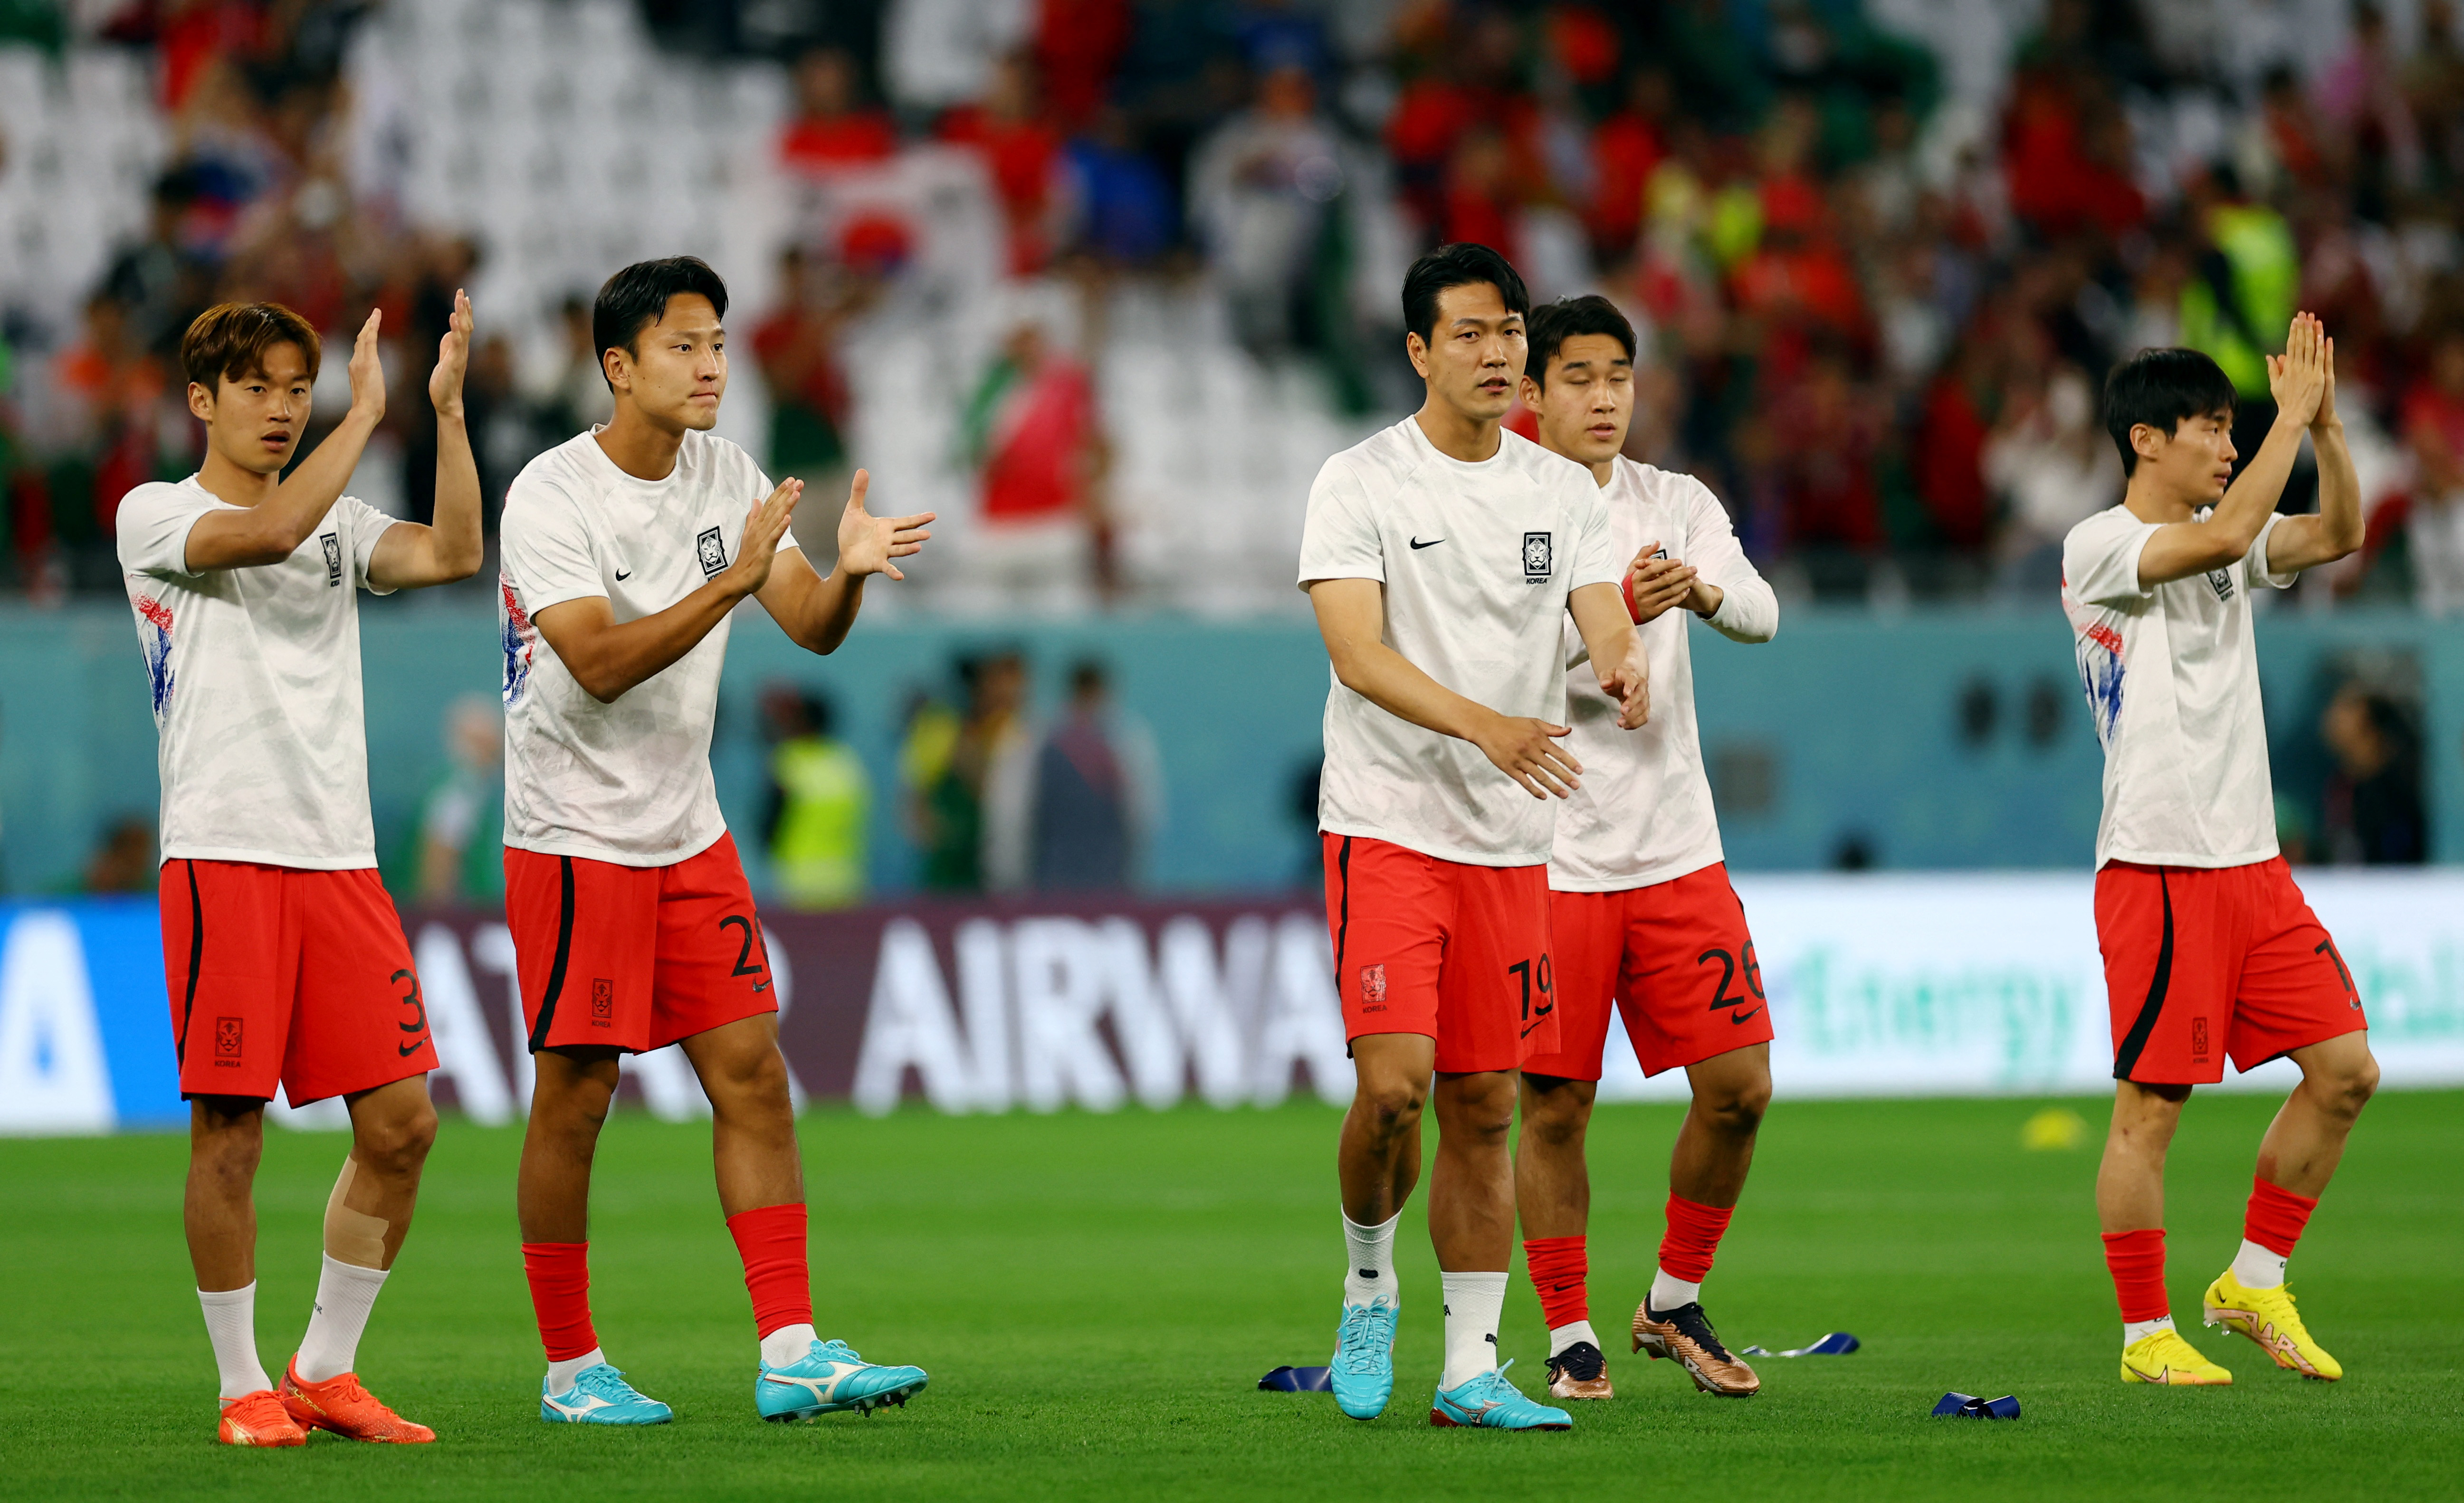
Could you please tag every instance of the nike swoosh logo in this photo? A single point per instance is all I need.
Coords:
(410, 1049)
(761, 986)
(1739, 1018)
(622, 576)
(1431, 543)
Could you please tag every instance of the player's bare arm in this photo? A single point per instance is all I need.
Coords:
(252, 426)
(816, 613)
(1616, 650)
(409, 556)
(1351, 619)
(2305, 542)
(608, 656)
(2185, 469)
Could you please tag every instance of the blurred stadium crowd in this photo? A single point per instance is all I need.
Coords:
(1103, 280)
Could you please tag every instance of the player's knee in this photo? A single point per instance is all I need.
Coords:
(2351, 1088)
(1738, 1112)
(1388, 1107)
(1556, 1117)
(399, 1146)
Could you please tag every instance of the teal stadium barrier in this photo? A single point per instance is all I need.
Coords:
(1927, 741)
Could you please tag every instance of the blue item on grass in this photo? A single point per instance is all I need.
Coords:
(1969, 1406)
(1838, 1344)
(1297, 1380)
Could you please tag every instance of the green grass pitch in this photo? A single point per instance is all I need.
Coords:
(1096, 1297)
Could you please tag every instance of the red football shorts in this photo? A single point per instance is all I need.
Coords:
(279, 975)
(2201, 963)
(634, 957)
(1451, 951)
(1674, 957)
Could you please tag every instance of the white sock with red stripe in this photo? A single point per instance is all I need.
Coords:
(231, 1324)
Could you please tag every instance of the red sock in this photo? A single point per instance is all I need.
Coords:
(1694, 1231)
(2276, 1216)
(559, 1275)
(771, 1241)
(2137, 1259)
(1559, 1268)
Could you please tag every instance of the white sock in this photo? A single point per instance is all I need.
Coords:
(1370, 1272)
(346, 1293)
(2133, 1330)
(1668, 1292)
(789, 1344)
(561, 1375)
(1475, 1303)
(1561, 1336)
(2256, 1267)
(231, 1324)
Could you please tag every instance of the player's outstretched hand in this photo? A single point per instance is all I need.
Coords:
(367, 374)
(763, 530)
(2298, 378)
(1656, 584)
(452, 358)
(1628, 682)
(1527, 751)
(867, 543)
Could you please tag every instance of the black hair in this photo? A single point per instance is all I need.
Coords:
(2160, 388)
(1552, 324)
(1088, 676)
(1458, 265)
(637, 297)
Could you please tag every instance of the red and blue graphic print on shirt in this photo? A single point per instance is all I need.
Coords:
(154, 633)
(2099, 667)
(516, 635)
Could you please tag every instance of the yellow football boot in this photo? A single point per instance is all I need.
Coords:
(2267, 1317)
(2164, 1357)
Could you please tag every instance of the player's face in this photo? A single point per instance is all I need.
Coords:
(254, 419)
(676, 371)
(1476, 357)
(2196, 462)
(1589, 399)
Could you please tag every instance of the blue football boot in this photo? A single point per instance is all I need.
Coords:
(1363, 1369)
(828, 1378)
(600, 1395)
(1487, 1401)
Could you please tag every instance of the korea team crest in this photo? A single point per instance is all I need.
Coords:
(1539, 557)
(712, 552)
(1372, 985)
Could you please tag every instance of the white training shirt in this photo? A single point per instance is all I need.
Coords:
(1477, 560)
(255, 673)
(2172, 683)
(628, 782)
(1643, 814)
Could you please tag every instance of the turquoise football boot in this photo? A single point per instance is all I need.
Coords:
(829, 1379)
(600, 1395)
(1487, 1401)
(1363, 1369)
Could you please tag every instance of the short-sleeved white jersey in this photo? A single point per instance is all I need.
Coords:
(2172, 683)
(256, 674)
(1643, 814)
(1477, 560)
(628, 782)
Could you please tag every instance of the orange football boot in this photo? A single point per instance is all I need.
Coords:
(340, 1405)
(259, 1418)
